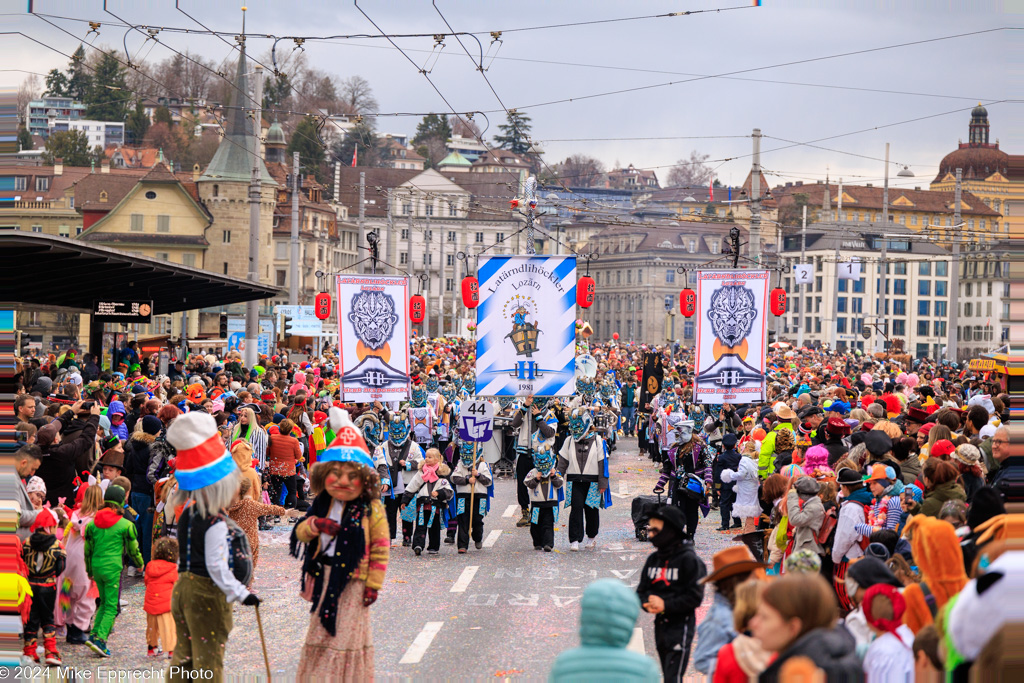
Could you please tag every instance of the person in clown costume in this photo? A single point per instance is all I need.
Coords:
(215, 562)
(471, 478)
(545, 485)
(583, 461)
(397, 460)
(421, 418)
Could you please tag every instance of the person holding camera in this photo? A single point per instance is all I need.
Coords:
(65, 458)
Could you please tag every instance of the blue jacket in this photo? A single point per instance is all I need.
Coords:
(714, 633)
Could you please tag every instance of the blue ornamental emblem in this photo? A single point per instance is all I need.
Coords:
(398, 430)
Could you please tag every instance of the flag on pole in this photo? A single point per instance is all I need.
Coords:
(711, 188)
(355, 155)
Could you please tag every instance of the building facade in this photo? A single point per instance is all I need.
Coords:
(100, 134)
(42, 111)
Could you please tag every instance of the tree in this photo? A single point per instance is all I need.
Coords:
(56, 83)
(79, 81)
(357, 96)
(580, 170)
(24, 139)
(432, 133)
(276, 92)
(515, 134)
(108, 95)
(163, 115)
(70, 145)
(27, 91)
(690, 173)
(306, 142)
(362, 136)
(137, 124)
(791, 213)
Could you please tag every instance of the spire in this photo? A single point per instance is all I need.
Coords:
(826, 203)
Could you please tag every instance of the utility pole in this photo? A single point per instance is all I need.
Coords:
(754, 248)
(954, 281)
(408, 237)
(252, 308)
(444, 285)
(391, 247)
(835, 292)
(803, 288)
(293, 295)
(531, 202)
(883, 295)
(362, 211)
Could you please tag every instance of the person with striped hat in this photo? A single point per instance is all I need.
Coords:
(215, 562)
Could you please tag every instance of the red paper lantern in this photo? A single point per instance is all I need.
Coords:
(777, 298)
(615, 336)
(322, 305)
(585, 291)
(688, 302)
(470, 291)
(417, 308)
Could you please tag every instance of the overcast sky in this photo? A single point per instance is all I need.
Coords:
(925, 80)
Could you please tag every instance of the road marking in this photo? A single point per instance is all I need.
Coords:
(636, 643)
(423, 640)
(623, 490)
(462, 583)
(492, 538)
(510, 511)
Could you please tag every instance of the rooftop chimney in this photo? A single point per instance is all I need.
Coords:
(105, 166)
(58, 166)
(196, 172)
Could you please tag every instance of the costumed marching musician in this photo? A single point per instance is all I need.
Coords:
(448, 415)
(439, 404)
(667, 416)
(545, 485)
(432, 491)
(471, 476)
(215, 562)
(533, 418)
(687, 469)
(583, 461)
(610, 411)
(421, 418)
(396, 460)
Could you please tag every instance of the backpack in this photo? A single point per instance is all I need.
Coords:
(692, 487)
(864, 541)
(828, 525)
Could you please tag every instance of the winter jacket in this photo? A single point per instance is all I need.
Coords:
(160, 453)
(62, 462)
(713, 633)
(28, 512)
(837, 450)
(936, 497)
(282, 455)
(846, 543)
(832, 650)
(673, 574)
(727, 460)
(160, 578)
(608, 612)
(806, 513)
(766, 461)
(121, 430)
(911, 468)
(746, 481)
(108, 538)
(418, 488)
(137, 455)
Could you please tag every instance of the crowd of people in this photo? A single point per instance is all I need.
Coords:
(867, 499)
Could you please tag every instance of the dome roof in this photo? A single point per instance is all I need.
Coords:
(979, 111)
(977, 162)
(275, 134)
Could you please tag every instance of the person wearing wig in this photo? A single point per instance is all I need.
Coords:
(345, 544)
(248, 429)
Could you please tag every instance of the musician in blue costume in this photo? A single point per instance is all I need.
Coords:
(533, 418)
(584, 462)
(397, 460)
(545, 485)
(471, 479)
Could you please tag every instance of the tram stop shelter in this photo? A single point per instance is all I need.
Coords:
(48, 270)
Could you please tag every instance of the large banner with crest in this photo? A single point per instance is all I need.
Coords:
(526, 326)
(731, 336)
(373, 333)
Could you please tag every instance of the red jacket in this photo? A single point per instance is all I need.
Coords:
(160, 578)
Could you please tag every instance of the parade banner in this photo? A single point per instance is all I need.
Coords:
(373, 333)
(654, 373)
(526, 334)
(731, 336)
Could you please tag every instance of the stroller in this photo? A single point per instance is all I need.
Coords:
(642, 509)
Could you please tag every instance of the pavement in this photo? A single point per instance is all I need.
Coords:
(503, 611)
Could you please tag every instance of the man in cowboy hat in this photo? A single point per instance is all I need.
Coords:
(671, 590)
(730, 568)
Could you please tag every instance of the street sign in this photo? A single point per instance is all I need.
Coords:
(297, 312)
(476, 421)
(849, 270)
(128, 312)
(302, 327)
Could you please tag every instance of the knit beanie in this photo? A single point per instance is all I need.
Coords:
(986, 504)
(151, 424)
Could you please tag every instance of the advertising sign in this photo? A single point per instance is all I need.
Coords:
(373, 333)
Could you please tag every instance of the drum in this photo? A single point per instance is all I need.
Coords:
(492, 449)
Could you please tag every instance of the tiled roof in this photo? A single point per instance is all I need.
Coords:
(925, 201)
(665, 238)
(148, 238)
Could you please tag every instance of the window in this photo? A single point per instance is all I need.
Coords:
(990, 289)
(940, 328)
(428, 259)
(618, 277)
(136, 222)
(941, 268)
(688, 328)
(64, 231)
(225, 267)
(225, 236)
(37, 228)
(281, 251)
(818, 266)
(841, 303)
(403, 258)
(499, 237)
(453, 212)
(899, 306)
(162, 255)
(216, 190)
(858, 305)
(150, 194)
(449, 284)
(817, 283)
(20, 183)
(903, 220)
(940, 288)
(670, 277)
(406, 208)
(640, 276)
(428, 209)
(639, 304)
(913, 220)
(691, 277)
(842, 285)
(163, 223)
(968, 309)
(451, 235)
(968, 289)
(924, 307)
(188, 260)
(692, 246)
(42, 184)
(282, 277)
(479, 238)
(922, 328)
(988, 308)
(900, 268)
(858, 286)
(924, 288)
(924, 268)
(841, 325)
(899, 286)
(899, 328)
(940, 309)
(449, 259)
(78, 230)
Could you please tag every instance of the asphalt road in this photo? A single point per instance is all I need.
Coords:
(505, 609)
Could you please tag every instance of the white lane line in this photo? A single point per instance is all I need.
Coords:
(510, 511)
(636, 643)
(462, 583)
(492, 538)
(623, 490)
(423, 640)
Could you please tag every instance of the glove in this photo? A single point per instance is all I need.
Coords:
(251, 600)
(325, 525)
(369, 596)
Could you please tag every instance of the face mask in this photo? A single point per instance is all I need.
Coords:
(851, 587)
(665, 538)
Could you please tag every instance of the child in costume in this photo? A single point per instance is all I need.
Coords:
(215, 563)
(545, 485)
(108, 538)
(397, 460)
(45, 558)
(247, 512)
(471, 477)
(161, 573)
(583, 461)
(432, 493)
(76, 592)
(345, 534)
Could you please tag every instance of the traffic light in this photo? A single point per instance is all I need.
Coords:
(287, 325)
(771, 336)
(223, 326)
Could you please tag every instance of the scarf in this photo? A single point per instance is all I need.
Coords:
(349, 548)
(861, 495)
(429, 472)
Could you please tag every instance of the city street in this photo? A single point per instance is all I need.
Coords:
(506, 609)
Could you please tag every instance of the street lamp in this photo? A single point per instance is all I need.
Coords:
(905, 172)
(669, 305)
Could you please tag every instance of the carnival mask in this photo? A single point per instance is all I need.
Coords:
(456, 383)
(684, 431)
(505, 402)
(544, 460)
(448, 391)
(466, 453)
(579, 423)
(667, 384)
(607, 390)
(398, 431)
(419, 397)
(539, 402)
(432, 384)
